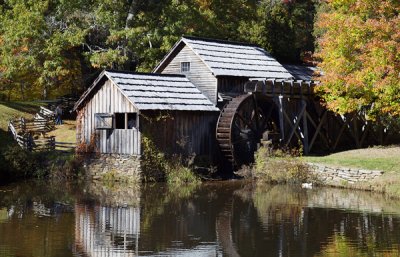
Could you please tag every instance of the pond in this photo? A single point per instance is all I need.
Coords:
(232, 218)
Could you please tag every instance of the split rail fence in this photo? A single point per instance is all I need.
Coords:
(31, 134)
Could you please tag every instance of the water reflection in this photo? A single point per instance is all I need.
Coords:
(100, 230)
(215, 219)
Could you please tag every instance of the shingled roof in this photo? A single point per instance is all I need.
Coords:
(226, 58)
(148, 91)
(301, 72)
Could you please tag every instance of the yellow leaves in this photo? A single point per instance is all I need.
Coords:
(204, 4)
(360, 55)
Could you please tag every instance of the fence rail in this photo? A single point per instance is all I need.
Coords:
(31, 134)
(64, 146)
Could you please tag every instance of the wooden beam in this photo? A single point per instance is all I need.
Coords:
(305, 129)
(296, 124)
(364, 135)
(279, 102)
(354, 131)
(318, 130)
(345, 123)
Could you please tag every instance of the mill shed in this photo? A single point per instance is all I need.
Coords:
(120, 108)
(220, 68)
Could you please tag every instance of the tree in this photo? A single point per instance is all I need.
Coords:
(359, 52)
(284, 28)
(37, 50)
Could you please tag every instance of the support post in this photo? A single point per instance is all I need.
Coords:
(281, 118)
(305, 128)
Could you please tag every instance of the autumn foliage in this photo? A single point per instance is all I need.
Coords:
(359, 50)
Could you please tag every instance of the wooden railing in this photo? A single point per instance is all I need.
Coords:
(65, 147)
(31, 134)
(27, 140)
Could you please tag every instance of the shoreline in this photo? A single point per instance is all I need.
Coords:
(377, 181)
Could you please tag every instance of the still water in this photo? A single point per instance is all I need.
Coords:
(215, 219)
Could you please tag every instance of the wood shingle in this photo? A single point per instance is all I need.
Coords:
(157, 92)
(225, 58)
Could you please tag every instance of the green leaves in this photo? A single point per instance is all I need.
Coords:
(359, 47)
(35, 47)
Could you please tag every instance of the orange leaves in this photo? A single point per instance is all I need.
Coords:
(360, 56)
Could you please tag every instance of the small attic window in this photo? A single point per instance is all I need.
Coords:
(185, 67)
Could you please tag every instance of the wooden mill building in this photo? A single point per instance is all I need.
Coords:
(220, 68)
(120, 107)
(195, 102)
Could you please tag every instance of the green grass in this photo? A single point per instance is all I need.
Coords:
(66, 132)
(13, 110)
(375, 158)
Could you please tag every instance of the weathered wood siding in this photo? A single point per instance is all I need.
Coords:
(231, 85)
(200, 75)
(108, 99)
(182, 132)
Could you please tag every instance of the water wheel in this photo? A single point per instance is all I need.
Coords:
(241, 126)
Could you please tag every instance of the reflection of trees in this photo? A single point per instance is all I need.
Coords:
(340, 246)
(183, 214)
(281, 222)
(29, 213)
(23, 196)
(224, 218)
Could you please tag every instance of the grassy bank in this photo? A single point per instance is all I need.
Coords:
(288, 168)
(377, 158)
(13, 110)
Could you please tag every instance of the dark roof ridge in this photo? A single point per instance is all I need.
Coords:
(145, 73)
(222, 41)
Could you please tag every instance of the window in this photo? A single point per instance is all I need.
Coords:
(132, 120)
(185, 67)
(103, 120)
(120, 120)
(125, 120)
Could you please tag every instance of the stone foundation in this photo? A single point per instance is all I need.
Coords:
(329, 174)
(114, 167)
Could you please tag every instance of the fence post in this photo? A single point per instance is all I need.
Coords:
(23, 125)
(30, 142)
(52, 143)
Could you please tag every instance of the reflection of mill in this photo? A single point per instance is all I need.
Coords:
(107, 231)
(223, 229)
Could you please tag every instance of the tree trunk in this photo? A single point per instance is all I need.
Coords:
(132, 11)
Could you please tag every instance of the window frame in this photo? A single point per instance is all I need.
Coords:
(184, 68)
(125, 120)
(103, 115)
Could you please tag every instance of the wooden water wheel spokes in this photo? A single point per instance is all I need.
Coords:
(240, 127)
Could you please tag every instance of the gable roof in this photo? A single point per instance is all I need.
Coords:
(155, 91)
(225, 58)
(302, 72)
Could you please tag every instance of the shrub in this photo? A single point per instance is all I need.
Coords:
(175, 170)
(153, 162)
(179, 172)
(280, 167)
(65, 167)
(18, 163)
